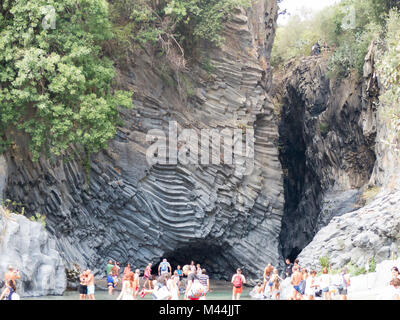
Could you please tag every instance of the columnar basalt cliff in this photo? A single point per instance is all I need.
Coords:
(326, 148)
(129, 211)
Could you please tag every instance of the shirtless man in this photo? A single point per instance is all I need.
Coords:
(12, 275)
(83, 286)
(297, 277)
(90, 285)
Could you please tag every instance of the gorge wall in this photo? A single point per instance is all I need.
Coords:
(132, 212)
(326, 148)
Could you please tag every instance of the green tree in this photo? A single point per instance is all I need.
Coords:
(56, 84)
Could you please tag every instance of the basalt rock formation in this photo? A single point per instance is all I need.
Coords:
(130, 211)
(326, 148)
(372, 231)
(27, 247)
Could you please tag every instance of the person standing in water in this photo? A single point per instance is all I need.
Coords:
(83, 286)
(194, 289)
(179, 272)
(109, 267)
(10, 292)
(205, 281)
(172, 287)
(288, 269)
(127, 287)
(267, 276)
(276, 284)
(311, 285)
(147, 276)
(136, 283)
(297, 277)
(164, 268)
(90, 285)
(325, 282)
(345, 283)
(110, 284)
(237, 281)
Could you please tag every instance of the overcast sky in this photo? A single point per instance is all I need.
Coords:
(296, 6)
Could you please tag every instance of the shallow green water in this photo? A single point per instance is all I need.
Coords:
(219, 291)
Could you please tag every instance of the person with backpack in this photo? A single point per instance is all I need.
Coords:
(194, 289)
(164, 268)
(345, 283)
(238, 280)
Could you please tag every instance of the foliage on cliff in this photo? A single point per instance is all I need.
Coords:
(55, 83)
(346, 28)
(176, 26)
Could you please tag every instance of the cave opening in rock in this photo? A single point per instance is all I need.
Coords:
(209, 256)
(302, 187)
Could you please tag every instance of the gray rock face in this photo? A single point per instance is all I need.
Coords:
(133, 212)
(27, 246)
(326, 149)
(372, 231)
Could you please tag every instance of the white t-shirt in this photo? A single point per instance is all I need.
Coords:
(325, 280)
(395, 292)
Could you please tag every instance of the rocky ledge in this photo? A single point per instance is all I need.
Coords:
(27, 246)
(370, 232)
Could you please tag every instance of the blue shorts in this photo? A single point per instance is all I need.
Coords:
(90, 289)
(297, 288)
(325, 289)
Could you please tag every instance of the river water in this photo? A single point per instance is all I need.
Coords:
(220, 290)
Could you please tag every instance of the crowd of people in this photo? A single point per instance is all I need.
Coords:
(165, 285)
(191, 282)
(305, 285)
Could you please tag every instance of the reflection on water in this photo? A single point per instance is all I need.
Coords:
(220, 291)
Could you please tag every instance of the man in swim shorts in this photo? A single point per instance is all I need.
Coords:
(90, 285)
(237, 280)
(110, 284)
(83, 286)
(295, 281)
